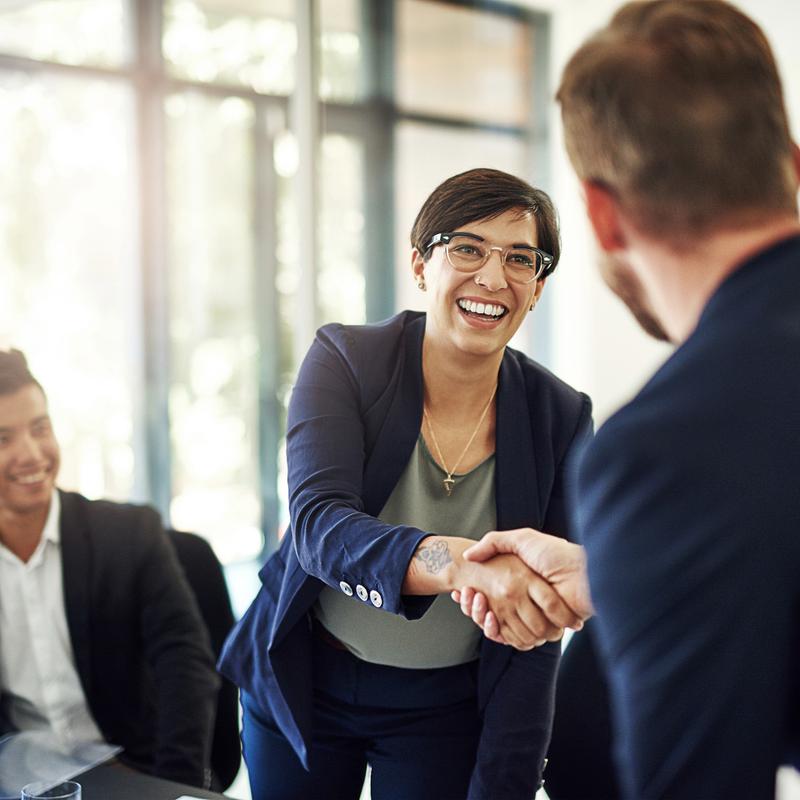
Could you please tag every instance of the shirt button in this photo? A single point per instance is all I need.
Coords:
(375, 598)
(361, 592)
(346, 588)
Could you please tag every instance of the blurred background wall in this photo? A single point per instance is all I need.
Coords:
(190, 187)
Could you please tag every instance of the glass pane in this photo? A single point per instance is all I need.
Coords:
(463, 63)
(214, 344)
(341, 58)
(70, 296)
(424, 156)
(90, 32)
(287, 251)
(340, 281)
(236, 42)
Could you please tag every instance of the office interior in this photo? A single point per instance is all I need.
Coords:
(191, 187)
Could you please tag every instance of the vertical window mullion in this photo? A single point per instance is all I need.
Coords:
(267, 316)
(305, 125)
(379, 124)
(147, 16)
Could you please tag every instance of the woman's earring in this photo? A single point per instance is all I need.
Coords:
(421, 284)
(532, 305)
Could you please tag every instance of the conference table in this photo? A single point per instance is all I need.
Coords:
(115, 781)
(28, 756)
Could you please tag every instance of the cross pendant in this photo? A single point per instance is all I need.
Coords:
(448, 484)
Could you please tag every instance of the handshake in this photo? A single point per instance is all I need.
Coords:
(523, 587)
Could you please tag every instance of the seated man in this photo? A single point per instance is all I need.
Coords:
(100, 637)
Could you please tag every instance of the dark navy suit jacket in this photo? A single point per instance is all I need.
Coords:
(353, 423)
(690, 512)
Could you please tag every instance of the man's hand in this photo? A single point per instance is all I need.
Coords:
(528, 611)
(561, 563)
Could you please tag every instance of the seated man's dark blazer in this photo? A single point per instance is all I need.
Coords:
(141, 648)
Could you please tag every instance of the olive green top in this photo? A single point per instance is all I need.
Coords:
(443, 636)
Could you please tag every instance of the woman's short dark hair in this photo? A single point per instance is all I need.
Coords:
(481, 194)
(14, 372)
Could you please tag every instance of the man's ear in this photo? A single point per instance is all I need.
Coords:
(604, 214)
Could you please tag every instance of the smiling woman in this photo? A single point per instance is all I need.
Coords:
(465, 221)
(407, 441)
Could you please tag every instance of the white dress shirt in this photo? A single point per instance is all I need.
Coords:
(37, 664)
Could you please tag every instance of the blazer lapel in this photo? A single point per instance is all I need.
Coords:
(401, 426)
(516, 485)
(76, 563)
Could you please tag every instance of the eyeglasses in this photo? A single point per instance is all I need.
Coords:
(468, 252)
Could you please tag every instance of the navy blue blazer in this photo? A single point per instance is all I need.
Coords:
(354, 419)
(690, 510)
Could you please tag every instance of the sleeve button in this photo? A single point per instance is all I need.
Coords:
(361, 592)
(346, 588)
(375, 598)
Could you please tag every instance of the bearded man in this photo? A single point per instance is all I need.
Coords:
(688, 497)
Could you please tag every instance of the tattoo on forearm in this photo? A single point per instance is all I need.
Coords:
(435, 556)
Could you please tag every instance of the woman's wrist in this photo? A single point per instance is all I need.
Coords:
(438, 565)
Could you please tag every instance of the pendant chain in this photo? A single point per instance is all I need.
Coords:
(449, 481)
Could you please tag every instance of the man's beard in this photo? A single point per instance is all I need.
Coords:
(620, 278)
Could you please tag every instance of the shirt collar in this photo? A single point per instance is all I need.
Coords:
(52, 528)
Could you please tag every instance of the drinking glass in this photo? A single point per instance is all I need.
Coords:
(68, 790)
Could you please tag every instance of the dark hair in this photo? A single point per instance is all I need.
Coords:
(14, 372)
(481, 194)
(677, 107)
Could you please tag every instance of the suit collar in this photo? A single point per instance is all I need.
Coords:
(516, 475)
(753, 278)
(51, 531)
(76, 565)
(399, 432)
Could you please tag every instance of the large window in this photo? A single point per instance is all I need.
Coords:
(157, 268)
(467, 63)
(68, 250)
(213, 391)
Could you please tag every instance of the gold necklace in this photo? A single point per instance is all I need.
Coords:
(449, 482)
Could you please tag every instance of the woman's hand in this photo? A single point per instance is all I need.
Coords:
(474, 605)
